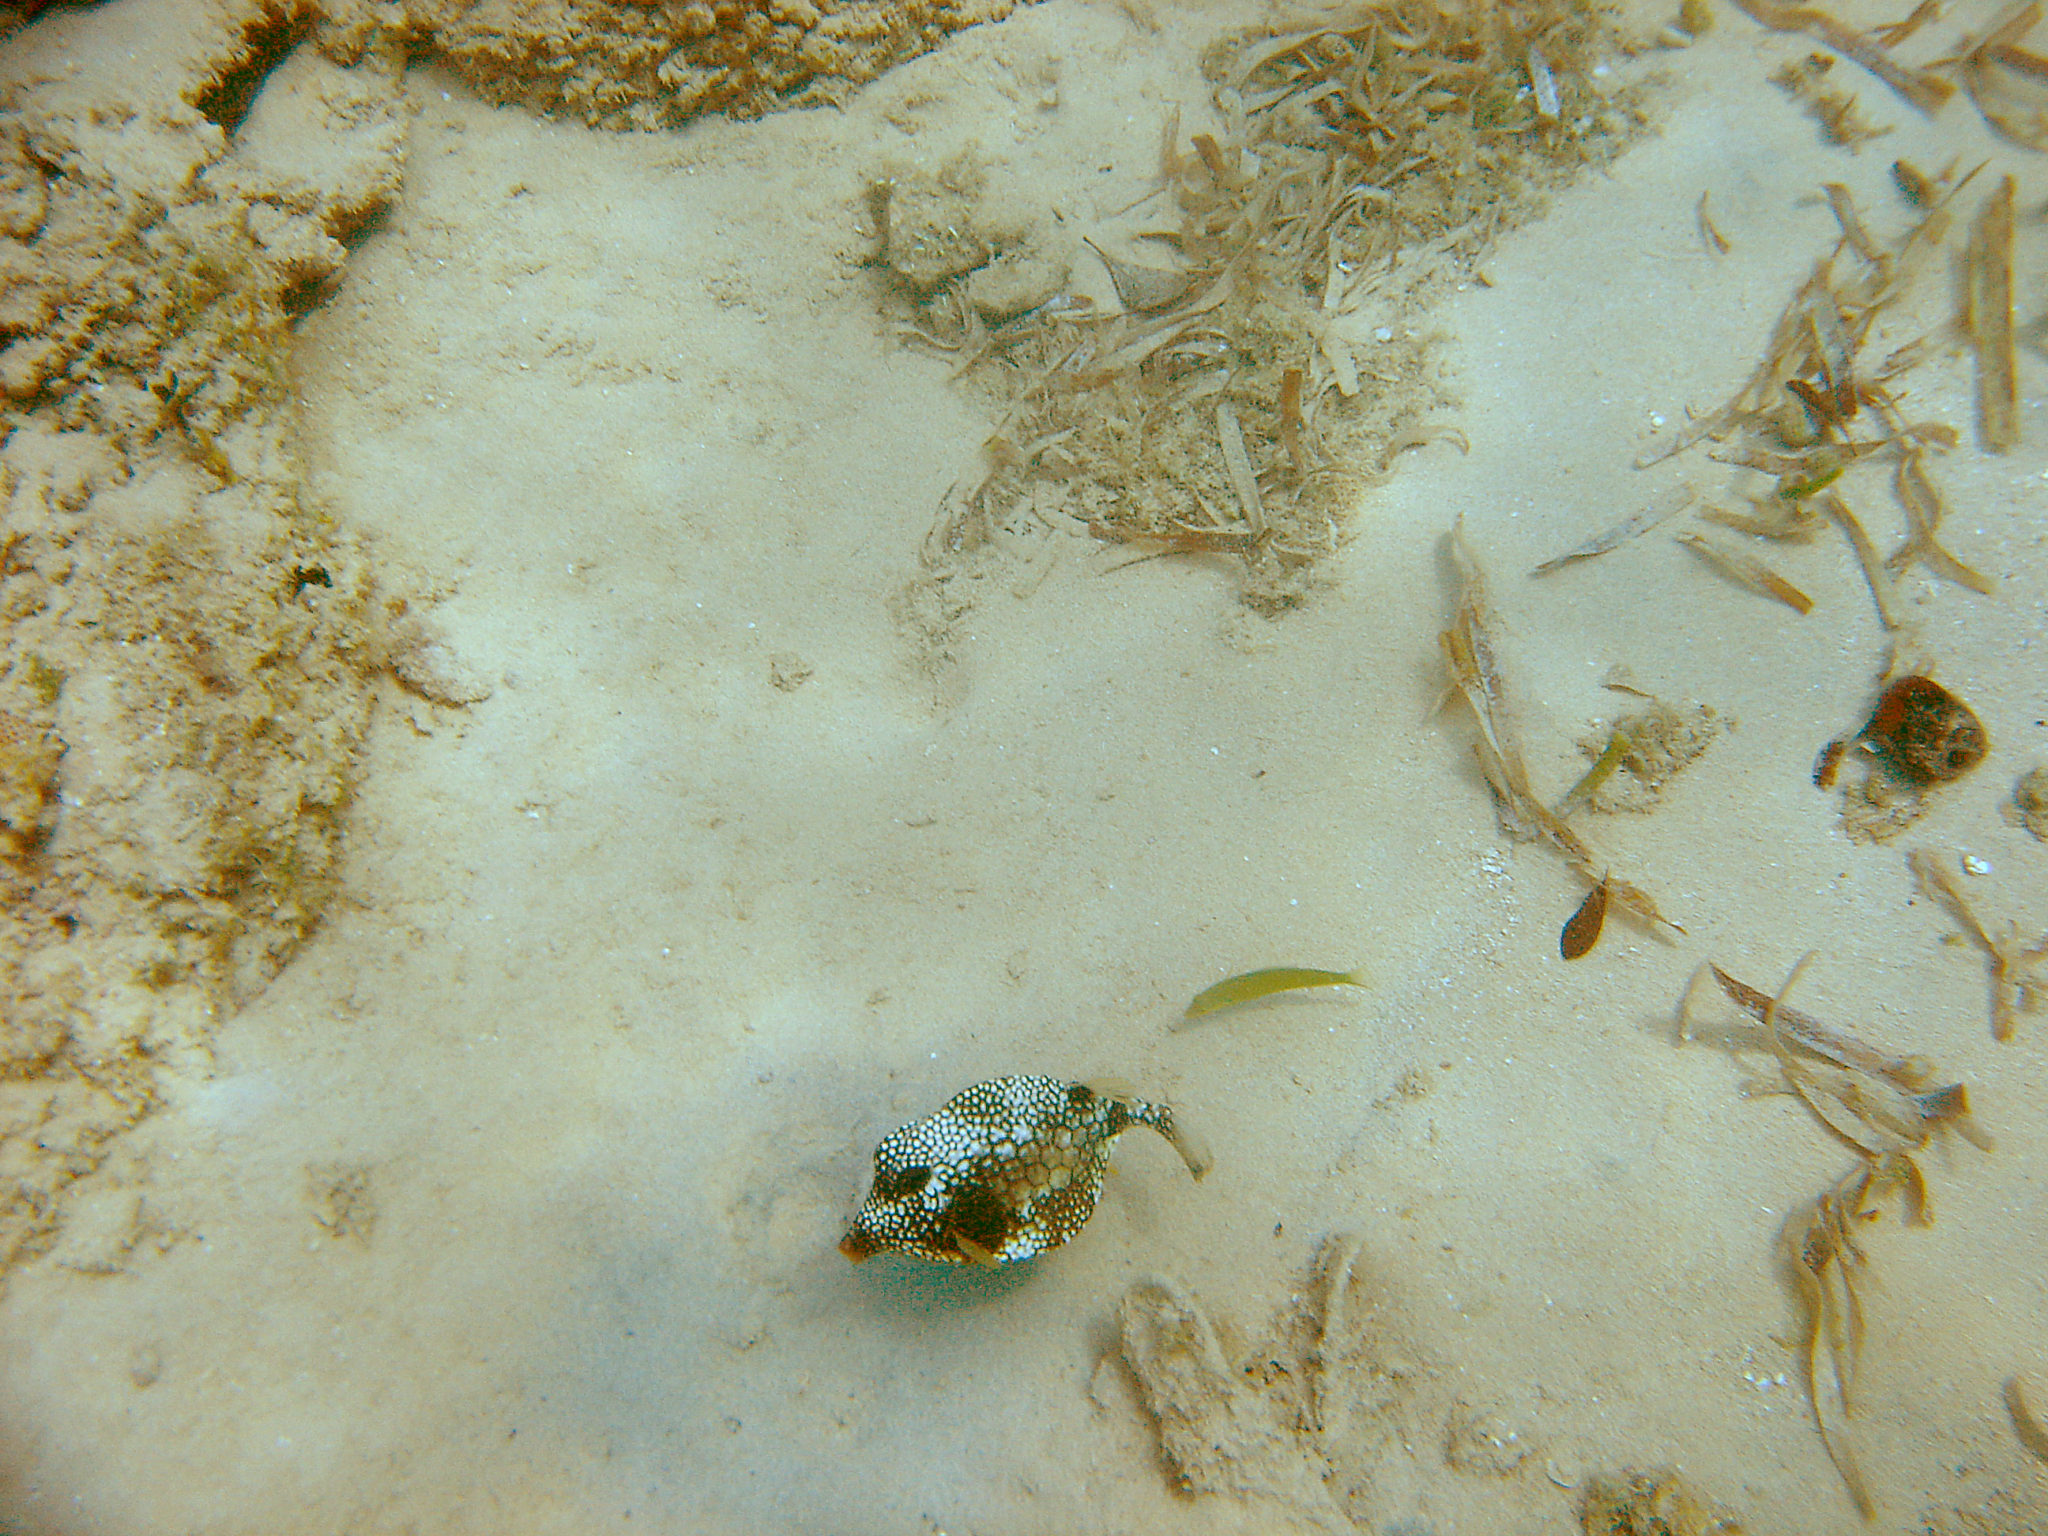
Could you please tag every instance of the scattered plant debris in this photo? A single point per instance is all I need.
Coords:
(1582, 930)
(1745, 570)
(2008, 83)
(1662, 511)
(1245, 390)
(1883, 590)
(1840, 118)
(1710, 231)
(1987, 319)
(2014, 987)
(1899, 1115)
(1824, 1260)
(1882, 1108)
(1797, 418)
(1922, 88)
(1470, 654)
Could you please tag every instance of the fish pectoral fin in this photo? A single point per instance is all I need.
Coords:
(972, 1250)
(1114, 1088)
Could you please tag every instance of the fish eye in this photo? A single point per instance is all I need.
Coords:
(902, 1184)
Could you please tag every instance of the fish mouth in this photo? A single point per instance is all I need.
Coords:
(857, 1245)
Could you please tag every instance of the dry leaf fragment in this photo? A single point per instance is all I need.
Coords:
(2014, 990)
(1923, 88)
(1661, 511)
(2008, 83)
(1709, 231)
(1988, 320)
(1748, 571)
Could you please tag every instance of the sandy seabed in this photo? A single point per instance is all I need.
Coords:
(509, 1204)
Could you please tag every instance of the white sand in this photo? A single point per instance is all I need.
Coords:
(638, 957)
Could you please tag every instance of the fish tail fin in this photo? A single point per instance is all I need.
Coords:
(1193, 1150)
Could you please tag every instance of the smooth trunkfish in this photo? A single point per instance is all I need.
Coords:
(1004, 1171)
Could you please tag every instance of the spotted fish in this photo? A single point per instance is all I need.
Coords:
(1004, 1171)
